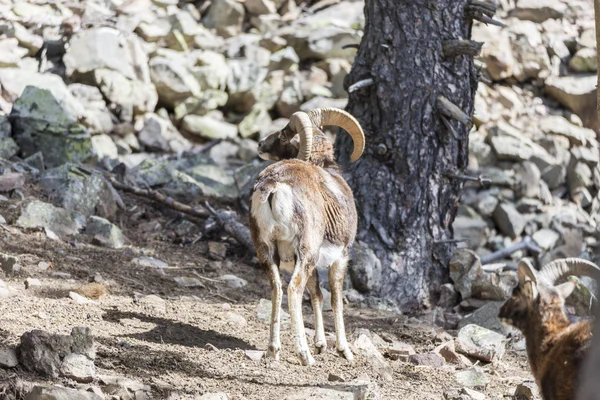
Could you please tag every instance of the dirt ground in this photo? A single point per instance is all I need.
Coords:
(197, 343)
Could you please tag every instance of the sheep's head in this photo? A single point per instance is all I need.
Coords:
(536, 295)
(301, 137)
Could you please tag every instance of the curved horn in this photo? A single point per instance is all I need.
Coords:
(555, 270)
(337, 117)
(526, 270)
(301, 123)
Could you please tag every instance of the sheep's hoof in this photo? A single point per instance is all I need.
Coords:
(273, 352)
(320, 347)
(346, 353)
(306, 359)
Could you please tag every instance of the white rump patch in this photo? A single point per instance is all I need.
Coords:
(328, 254)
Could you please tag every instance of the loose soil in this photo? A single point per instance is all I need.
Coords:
(197, 345)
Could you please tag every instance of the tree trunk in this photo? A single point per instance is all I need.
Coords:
(406, 200)
(590, 385)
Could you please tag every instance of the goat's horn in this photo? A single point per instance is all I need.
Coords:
(555, 270)
(526, 270)
(337, 117)
(301, 123)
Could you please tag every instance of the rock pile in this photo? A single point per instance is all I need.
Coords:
(180, 93)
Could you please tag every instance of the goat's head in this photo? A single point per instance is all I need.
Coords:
(301, 137)
(536, 294)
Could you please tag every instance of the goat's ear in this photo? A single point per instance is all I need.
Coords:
(565, 289)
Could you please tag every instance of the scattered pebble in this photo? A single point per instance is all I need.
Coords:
(8, 358)
(32, 282)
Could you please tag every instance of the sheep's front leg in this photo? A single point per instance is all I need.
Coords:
(336, 281)
(276, 297)
(295, 291)
(316, 299)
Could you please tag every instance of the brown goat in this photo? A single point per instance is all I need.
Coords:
(555, 347)
(303, 217)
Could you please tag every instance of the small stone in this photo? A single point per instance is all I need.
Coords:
(472, 394)
(473, 378)
(214, 396)
(510, 222)
(79, 299)
(465, 266)
(374, 357)
(32, 282)
(9, 264)
(104, 233)
(263, 312)
(154, 302)
(335, 378)
(145, 261)
(43, 266)
(11, 181)
(546, 238)
(254, 355)
(234, 281)
(427, 359)
(400, 351)
(481, 343)
(188, 282)
(78, 367)
(60, 393)
(217, 250)
(236, 319)
(448, 296)
(207, 127)
(8, 358)
(448, 352)
(527, 390)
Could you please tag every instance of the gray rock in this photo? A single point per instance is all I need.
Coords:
(546, 238)
(15, 80)
(10, 53)
(159, 134)
(527, 390)
(585, 60)
(577, 93)
(9, 264)
(539, 10)
(226, 17)
(185, 281)
(8, 148)
(8, 358)
(214, 396)
(233, 281)
(79, 190)
(104, 147)
(60, 393)
(245, 177)
(474, 230)
(375, 359)
(243, 83)
(465, 267)
(78, 367)
(154, 302)
(528, 50)
(48, 354)
(472, 378)
(493, 285)
(125, 388)
(104, 233)
(154, 30)
(510, 222)
(258, 7)
(364, 268)
(528, 178)
(496, 53)
(487, 317)
(174, 82)
(399, 351)
(427, 359)
(481, 343)
(27, 39)
(96, 116)
(41, 124)
(208, 128)
(448, 352)
(448, 296)
(11, 181)
(7, 291)
(37, 214)
(578, 136)
(32, 282)
(263, 312)
(145, 261)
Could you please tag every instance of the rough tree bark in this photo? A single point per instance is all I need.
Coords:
(406, 193)
(590, 386)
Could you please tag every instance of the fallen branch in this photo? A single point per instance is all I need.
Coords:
(195, 211)
(480, 179)
(228, 221)
(526, 244)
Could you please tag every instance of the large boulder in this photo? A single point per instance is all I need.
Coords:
(496, 53)
(37, 214)
(577, 93)
(39, 123)
(117, 64)
(226, 17)
(174, 82)
(80, 190)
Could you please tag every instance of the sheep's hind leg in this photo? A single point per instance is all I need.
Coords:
(295, 291)
(336, 281)
(316, 299)
(276, 297)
